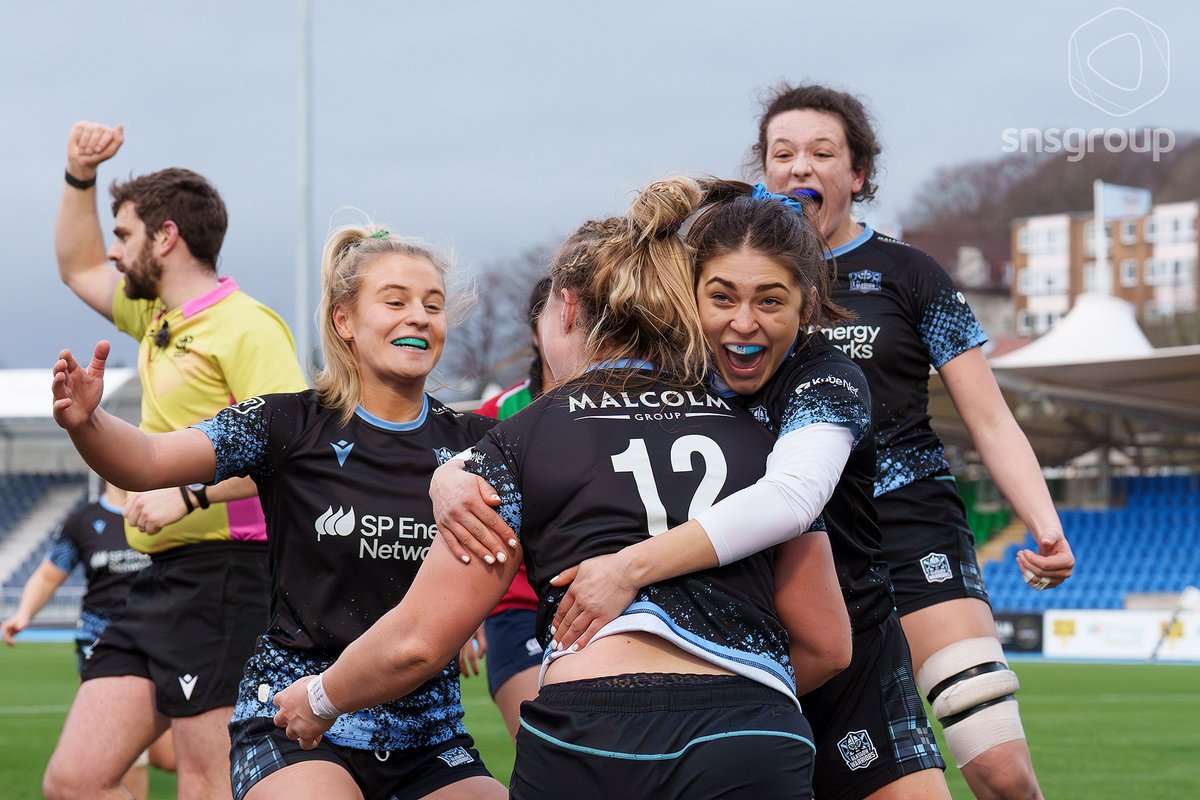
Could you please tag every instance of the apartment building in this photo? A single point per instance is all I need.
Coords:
(1152, 264)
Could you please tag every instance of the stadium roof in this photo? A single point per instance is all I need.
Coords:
(1094, 381)
(25, 394)
(30, 440)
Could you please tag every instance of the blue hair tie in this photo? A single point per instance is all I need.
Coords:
(760, 193)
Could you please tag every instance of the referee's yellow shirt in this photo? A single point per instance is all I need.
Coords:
(218, 349)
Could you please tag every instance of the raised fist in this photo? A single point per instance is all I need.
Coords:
(90, 145)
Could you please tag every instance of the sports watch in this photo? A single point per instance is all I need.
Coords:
(201, 492)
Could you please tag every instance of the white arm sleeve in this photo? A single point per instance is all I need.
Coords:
(802, 472)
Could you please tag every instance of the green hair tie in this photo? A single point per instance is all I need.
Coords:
(379, 235)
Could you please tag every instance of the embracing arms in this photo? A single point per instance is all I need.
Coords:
(441, 610)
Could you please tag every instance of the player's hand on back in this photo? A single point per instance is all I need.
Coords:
(89, 145)
(599, 592)
(463, 506)
(77, 389)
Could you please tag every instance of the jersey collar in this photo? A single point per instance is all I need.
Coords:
(841, 250)
(107, 506)
(622, 363)
(387, 425)
(225, 287)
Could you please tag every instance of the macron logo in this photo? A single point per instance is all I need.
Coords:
(99, 525)
(342, 450)
(335, 523)
(187, 683)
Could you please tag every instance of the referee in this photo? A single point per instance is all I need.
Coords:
(174, 657)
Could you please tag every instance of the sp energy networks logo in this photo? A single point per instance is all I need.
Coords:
(856, 341)
(335, 523)
(1119, 62)
(379, 536)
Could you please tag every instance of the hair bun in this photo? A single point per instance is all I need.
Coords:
(660, 209)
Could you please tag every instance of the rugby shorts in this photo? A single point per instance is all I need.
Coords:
(928, 545)
(259, 749)
(91, 624)
(868, 720)
(189, 625)
(512, 646)
(662, 736)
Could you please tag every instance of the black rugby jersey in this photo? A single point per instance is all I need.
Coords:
(605, 461)
(349, 519)
(818, 384)
(909, 317)
(349, 522)
(94, 536)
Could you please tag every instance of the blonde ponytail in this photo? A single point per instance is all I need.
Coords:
(633, 277)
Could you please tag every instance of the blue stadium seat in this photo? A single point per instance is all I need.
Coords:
(1149, 544)
(19, 492)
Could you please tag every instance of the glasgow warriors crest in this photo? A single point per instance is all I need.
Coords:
(865, 281)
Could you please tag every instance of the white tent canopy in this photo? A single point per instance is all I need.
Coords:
(1094, 381)
(1099, 328)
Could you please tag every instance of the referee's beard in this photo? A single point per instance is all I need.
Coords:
(142, 278)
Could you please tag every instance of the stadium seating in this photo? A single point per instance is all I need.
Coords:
(1148, 543)
(20, 492)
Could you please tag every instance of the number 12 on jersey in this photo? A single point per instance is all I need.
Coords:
(636, 460)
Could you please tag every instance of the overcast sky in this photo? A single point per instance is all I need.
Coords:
(489, 127)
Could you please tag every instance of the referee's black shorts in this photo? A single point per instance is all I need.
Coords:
(662, 736)
(928, 546)
(189, 625)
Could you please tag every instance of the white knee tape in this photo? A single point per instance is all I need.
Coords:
(970, 688)
(982, 731)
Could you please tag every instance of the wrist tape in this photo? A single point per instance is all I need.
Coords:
(318, 701)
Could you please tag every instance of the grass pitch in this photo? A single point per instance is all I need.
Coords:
(1096, 731)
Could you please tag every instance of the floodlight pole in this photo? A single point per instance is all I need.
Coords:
(1104, 283)
(302, 315)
